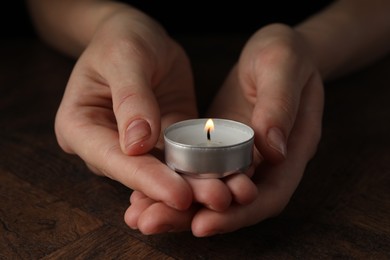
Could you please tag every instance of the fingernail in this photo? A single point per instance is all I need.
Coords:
(172, 205)
(276, 140)
(209, 206)
(133, 227)
(138, 131)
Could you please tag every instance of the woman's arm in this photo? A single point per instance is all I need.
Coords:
(70, 25)
(347, 35)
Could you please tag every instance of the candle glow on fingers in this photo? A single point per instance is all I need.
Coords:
(191, 149)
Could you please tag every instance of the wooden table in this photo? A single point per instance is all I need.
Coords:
(51, 206)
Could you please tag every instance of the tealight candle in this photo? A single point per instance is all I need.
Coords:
(208, 148)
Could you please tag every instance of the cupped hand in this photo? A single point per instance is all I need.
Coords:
(131, 81)
(275, 88)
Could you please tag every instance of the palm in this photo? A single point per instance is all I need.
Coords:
(275, 183)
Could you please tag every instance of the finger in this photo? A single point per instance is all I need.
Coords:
(274, 82)
(159, 218)
(278, 97)
(242, 188)
(129, 77)
(136, 195)
(275, 185)
(212, 193)
(135, 210)
(208, 223)
(98, 146)
(270, 201)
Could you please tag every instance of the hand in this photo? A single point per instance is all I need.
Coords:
(131, 82)
(274, 86)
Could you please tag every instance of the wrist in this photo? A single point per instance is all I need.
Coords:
(313, 41)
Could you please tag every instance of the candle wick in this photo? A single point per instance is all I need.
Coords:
(208, 134)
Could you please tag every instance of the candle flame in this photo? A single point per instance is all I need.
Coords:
(209, 126)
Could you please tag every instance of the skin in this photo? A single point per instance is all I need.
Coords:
(275, 183)
(132, 80)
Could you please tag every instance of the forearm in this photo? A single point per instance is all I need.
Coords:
(70, 25)
(348, 35)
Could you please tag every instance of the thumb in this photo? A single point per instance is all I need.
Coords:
(136, 111)
(275, 111)
(271, 130)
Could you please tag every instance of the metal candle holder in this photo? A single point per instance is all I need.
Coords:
(206, 153)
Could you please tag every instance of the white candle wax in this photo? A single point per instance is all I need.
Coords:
(188, 149)
(225, 133)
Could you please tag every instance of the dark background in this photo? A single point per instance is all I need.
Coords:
(14, 20)
(183, 17)
(227, 16)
